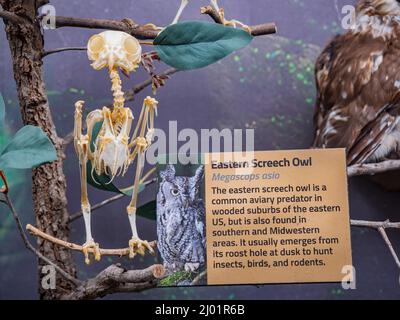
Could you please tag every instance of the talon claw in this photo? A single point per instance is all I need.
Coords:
(96, 248)
(137, 246)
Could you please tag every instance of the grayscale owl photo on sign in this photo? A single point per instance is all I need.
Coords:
(181, 224)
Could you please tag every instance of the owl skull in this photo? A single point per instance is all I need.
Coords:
(114, 49)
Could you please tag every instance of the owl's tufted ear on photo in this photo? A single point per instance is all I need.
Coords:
(168, 173)
(198, 176)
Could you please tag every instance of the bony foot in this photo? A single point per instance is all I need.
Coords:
(139, 246)
(235, 24)
(151, 26)
(87, 249)
(191, 267)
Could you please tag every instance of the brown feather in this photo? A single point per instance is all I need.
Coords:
(358, 80)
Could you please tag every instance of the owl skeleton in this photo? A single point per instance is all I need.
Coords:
(358, 84)
(113, 150)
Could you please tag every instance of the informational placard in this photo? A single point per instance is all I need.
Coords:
(277, 217)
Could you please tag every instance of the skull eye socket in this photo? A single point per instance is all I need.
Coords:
(132, 47)
(96, 44)
(175, 192)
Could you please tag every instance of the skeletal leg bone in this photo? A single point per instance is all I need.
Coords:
(182, 7)
(140, 143)
(81, 143)
(136, 245)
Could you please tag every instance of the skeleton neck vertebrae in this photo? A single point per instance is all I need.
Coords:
(116, 88)
(112, 151)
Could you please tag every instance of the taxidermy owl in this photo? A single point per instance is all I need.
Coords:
(358, 86)
(181, 221)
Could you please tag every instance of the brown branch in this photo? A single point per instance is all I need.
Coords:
(48, 52)
(375, 224)
(147, 31)
(130, 94)
(257, 30)
(75, 247)
(136, 30)
(214, 14)
(381, 228)
(4, 188)
(115, 279)
(12, 17)
(31, 248)
(373, 168)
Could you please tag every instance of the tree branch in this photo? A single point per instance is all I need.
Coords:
(30, 247)
(257, 30)
(75, 247)
(381, 228)
(48, 52)
(373, 168)
(130, 94)
(12, 17)
(126, 25)
(115, 279)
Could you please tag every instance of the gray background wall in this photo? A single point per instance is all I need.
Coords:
(268, 86)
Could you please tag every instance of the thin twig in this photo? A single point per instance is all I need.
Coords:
(389, 245)
(380, 227)
(375, 224)
(145, 31)
(48, 52)
(117, 279)
(72, 246)
(136, 30)
(130, 94)
(373, 168)
(4, 189)
(31, 248)
(12, 17)
(257, 30)
(214, 14)
(101, 204)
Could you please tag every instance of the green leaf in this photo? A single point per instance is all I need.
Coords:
(195, 44)
(148, 210)
(102, 182)
(2, 111)
(30, 147)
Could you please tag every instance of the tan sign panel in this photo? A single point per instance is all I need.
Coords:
(277, 217)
